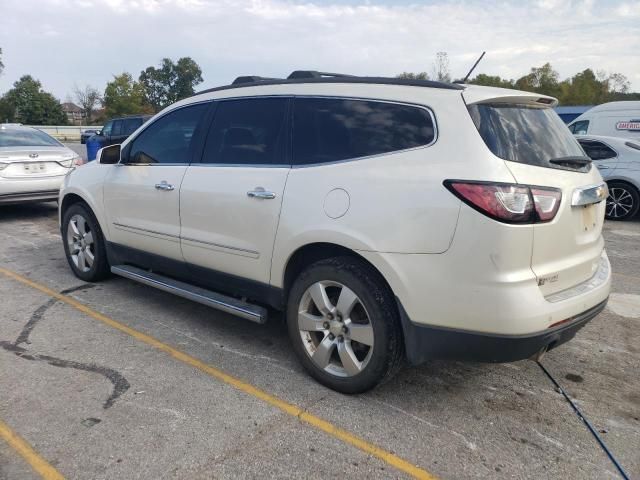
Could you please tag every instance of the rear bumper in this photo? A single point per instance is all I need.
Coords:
(37, 189)
(423, 342)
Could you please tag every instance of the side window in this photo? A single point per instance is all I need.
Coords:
(130, 125)
(329, 130)
(597, 150)
(579, 128)
(117, 128)
(248, 131)
(168, 139)
(106, 130)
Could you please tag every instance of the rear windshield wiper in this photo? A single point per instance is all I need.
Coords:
(571, 161)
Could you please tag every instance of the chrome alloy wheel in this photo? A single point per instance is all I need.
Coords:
(81, 243)
(335, 328)
(619, 202)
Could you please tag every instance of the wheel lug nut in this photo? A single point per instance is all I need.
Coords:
(325, 325)
(345, 330)
(330, 316)
(339, 318)
(331, 336)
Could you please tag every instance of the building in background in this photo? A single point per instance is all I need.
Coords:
(75, 115)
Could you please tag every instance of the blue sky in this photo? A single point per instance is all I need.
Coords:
(68, 42)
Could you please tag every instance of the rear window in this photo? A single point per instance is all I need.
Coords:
(530, 135)
(332, 129)
(26, 138)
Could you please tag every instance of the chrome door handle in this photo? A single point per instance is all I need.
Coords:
(260, 192)
(603, 167)
(163, 185)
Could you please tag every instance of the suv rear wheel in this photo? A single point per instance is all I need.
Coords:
(84, 244)
(623, 201)
(344, 325)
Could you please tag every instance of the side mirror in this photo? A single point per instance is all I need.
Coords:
(109, 155)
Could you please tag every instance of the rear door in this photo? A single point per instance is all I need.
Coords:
(230, 202)
(539, 150)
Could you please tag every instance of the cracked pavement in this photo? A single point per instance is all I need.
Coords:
(455, 420)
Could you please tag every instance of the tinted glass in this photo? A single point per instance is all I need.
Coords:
(329, 130)
(106, 130)
(247, 132)
(26, 138)
(117, 128)
(597, 150)
(580, 128)
(130, 125)
(525, 134)
(168, 139)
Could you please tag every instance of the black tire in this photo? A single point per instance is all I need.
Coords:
(99, 269)
(623, 201)
(374, 296)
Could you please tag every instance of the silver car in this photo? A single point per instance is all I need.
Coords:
(32, 164)
(618, 160)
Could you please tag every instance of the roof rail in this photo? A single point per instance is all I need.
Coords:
(314, 74)
(251, 79)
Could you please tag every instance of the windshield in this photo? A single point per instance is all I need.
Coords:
(26, 138)
(525, 134)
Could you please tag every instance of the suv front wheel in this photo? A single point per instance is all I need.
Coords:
(343, 323)
(84, 244)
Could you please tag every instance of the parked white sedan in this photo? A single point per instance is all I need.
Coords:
(32, 164)
(618, 160)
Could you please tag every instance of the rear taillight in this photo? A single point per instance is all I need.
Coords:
(508, 203)
(546, 202)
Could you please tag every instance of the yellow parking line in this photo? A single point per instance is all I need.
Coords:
(310, 419)
(36, 462)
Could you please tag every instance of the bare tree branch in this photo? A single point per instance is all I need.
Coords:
(88, 98)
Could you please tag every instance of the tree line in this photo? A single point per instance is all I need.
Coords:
(157, 87)
(27, 102)
(588, 87)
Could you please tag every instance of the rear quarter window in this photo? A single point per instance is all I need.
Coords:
(525, 134)
(332, 129)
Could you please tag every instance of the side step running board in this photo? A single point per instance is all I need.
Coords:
(206, 297)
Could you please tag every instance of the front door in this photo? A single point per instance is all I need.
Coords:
(230, 202)
(142, 192)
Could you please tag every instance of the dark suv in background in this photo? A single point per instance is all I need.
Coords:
(117, 130)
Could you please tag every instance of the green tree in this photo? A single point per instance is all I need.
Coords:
(28, 103)
(584, 88)
(544, 80)
(170, 82)
(414, 76)
(124, 96)
(1, 64)
(492, 81)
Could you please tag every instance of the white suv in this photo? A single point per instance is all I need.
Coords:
(389, 219)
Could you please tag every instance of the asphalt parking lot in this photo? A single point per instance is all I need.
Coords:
(118, 380)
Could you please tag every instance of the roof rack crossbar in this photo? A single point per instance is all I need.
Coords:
(252, 79)
(314, 74)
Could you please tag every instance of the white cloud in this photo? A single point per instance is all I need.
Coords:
(98, 38)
